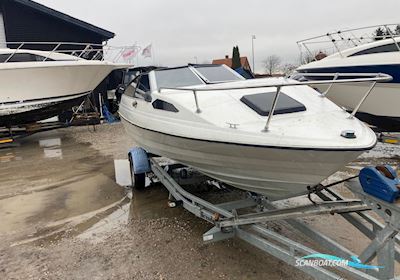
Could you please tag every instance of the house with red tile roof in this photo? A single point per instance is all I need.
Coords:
(228, 62)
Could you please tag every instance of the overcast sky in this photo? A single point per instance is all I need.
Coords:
(181, 30)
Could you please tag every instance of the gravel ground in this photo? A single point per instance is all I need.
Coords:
(164, 248)
(135, 239)
(139, 238)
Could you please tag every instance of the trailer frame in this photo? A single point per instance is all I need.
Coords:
(228, 223)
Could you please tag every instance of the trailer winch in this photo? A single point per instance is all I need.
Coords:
(381, 182)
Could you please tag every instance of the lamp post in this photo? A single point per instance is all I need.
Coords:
(253, 37)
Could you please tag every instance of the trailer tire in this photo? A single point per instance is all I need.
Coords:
(138, 180)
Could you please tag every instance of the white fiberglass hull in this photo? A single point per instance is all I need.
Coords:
(215, 129)
(381, 108)
(275, 172)
(384, 100)
(35, 90)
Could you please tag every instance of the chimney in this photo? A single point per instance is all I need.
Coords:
(226, 56)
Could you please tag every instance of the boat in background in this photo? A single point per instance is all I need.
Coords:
(355, 54)
(37, 85)
(274, 136)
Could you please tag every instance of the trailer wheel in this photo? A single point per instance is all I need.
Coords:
(138, 180)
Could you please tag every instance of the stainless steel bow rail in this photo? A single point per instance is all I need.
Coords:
(86, 51)
(348, 78)
(248, 219)
(347, 38)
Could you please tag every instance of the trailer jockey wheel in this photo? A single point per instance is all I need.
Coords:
(138, 180)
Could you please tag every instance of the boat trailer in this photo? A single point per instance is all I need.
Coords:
(393, 139)
(8, 135)
(377, 261)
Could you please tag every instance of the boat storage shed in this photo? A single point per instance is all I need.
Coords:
(28, 21)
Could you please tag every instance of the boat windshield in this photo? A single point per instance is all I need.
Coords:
(193, 76)
(215, 74)
(177, 77)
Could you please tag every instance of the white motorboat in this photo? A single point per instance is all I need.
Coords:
(37, 85)
(210, 118)
(358, 54)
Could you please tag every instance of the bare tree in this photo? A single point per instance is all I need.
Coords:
(272, 64)
(288, 68)
(307, 57)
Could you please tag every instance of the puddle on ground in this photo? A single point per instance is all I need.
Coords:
(52, 186)
(151, 203)
(50, 177)
(51, 148)
(97, 225)
(147, 204)
(123, 175)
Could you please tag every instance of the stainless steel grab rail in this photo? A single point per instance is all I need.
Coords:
(348, 38)
(374, 78)
(79, 50)
(337, 75)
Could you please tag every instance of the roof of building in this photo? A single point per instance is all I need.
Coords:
(43, 9)
(228, 61)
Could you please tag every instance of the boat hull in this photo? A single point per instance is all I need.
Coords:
(380, 109)
(275, 172)
(35, 91)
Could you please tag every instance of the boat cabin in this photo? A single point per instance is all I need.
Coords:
(21, 57)
(384, 48)
(198, 76)
(186, 76)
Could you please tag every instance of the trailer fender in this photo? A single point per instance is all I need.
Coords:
(140, 163)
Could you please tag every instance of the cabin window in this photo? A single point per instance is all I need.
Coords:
(162, 105)
(128, 77)
(380, 49)
(262, 102)
(143, 83)
(23, 57)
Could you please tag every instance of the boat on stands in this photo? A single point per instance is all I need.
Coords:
(37, 85)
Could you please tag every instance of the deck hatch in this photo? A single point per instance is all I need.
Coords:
(262, 102)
